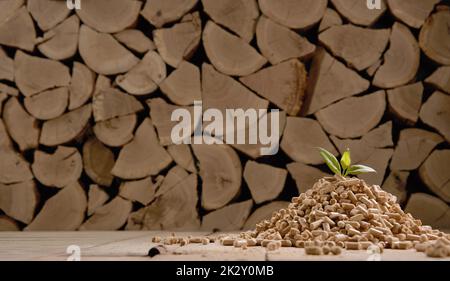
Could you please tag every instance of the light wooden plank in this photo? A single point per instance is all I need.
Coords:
(134, 246)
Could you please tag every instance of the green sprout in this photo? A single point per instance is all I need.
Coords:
(345, 167)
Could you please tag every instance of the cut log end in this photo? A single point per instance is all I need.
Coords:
(160, 12)
(435, 173)
(283, 84)
(98, 50)
(413, 13)
(98, 161)
(97, 198)
(174, 210)
(143, 156)
(331, 18)
(413, 147)
(179, 42)
(435, 112)
(142, 191)
(66, 127)
(221, 172)
(144, 78)
(22, 127)
(64, 211)
(298, 15)
(330, 81)
(228, 218)
(58, 169)
(440, 79)
(429, 209)
(265, 182)
(230, 54)
(239, 16)
(357, 12)
(110, 16)
(359, 47)
(339, 118)
(111, 216)
(19, 201)
(434, 37)
(278, 43)
(405, 102)
(302, 147)
(183, 86)
(117, 131)
(401, 61)
(305, 176)
(396, 184)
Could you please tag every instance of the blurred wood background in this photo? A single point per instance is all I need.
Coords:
(86, 97)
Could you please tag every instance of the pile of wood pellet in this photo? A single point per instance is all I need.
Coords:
(340, 213)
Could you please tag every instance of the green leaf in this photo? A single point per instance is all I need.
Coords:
(360, 169)
(346, 161)
(331, 161)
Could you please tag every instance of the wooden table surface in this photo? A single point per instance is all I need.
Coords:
(124, 246)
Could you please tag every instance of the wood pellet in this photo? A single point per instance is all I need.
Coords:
(338, 214)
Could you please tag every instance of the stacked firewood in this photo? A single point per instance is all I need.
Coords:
(86, 97)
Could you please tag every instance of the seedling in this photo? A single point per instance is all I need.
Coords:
(345, 167)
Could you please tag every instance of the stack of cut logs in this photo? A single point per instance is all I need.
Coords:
(86, 98)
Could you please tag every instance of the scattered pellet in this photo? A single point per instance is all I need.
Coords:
(335, 250)
(184, 241)
(299, 244)
(352, 245)
(170, 241)
(274, 245)
(365, 245)
(212, 239)
(421, 247)
(403, 245)
(227, 242)
(252, 242)
(436, 252)
(443, 241)
(286, 243)
(156, 239)
(239, 243)
(313, 250)
(195, 240)
(432, 237)
(412, 237)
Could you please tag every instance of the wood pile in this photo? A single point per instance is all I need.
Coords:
(86, 98)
